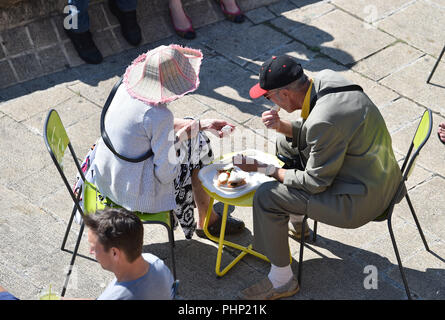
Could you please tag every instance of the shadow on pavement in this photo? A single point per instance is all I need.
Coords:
(345, 277)
(115, 65)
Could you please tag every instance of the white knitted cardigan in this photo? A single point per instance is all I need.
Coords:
(134, 127)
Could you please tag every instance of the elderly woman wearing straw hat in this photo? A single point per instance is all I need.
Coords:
(138, 120)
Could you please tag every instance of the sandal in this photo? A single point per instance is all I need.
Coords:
(237, 17)
(233, 226)
(188, 33)
(440, 139)
(441, 128)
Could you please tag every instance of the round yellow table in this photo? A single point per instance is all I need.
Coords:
(245, 200)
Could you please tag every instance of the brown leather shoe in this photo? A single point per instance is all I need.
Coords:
(264, 290)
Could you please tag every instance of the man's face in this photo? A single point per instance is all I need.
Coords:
(280, 98)
(103, 257)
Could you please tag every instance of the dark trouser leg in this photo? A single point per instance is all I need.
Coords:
(272, 204)
(287, 154)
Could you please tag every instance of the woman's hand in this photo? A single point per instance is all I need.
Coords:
(187, 130)
(216, 127)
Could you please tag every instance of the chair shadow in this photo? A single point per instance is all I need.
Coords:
(436, 85)
(324, 277)
(345, 277)
(195, 262)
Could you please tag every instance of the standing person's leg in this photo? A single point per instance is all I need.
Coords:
(181, 21)
(125, 12)
(79, 20)
(77, 28)
(202, 201)
(272, 205)
(127, 5)
(231, 10)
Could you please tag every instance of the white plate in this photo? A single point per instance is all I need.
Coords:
(253, 179)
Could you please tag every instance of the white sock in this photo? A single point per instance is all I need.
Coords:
(279, 276)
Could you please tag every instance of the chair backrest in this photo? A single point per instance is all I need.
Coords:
(421, 136)
(57, 142)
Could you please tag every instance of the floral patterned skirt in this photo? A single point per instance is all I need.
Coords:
(193, 154)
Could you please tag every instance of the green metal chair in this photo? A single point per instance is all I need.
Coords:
(57, 143)
(421, 136)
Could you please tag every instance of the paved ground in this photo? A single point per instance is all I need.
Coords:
(388, 47)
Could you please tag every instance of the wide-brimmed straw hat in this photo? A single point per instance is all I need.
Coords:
(163, 74)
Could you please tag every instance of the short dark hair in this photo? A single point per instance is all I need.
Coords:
(119, 228)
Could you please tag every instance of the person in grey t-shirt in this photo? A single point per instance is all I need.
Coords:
(115, 237)
(154, 285)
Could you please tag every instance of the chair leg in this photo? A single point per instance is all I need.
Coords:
(73, 258)
(435, 65)
(314, 236)
(300, 262)
(402, 272)
(68, 227)
(171, 238)
(172, 250)
(417, 222)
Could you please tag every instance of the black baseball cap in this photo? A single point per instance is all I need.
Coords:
(276, 72)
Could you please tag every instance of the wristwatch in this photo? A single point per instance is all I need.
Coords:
(270, 170)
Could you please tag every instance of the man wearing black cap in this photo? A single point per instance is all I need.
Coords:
(340, 167)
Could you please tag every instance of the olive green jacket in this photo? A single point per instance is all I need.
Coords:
(351, 173)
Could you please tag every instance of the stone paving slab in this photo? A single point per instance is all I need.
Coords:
(418, 24)
(341, 43)
(399, 113)
(374, 68)
(372, 11)
(247, 45)
(386, 56)
(292, 18)
(411, 82)
(21, 151)
(26, 107)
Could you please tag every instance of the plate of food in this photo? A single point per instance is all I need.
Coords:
(242, 182)
(230, 178)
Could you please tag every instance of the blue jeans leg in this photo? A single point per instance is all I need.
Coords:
(127, 5)
(80, 21)
(79, 15)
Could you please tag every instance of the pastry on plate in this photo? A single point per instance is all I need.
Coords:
(230, 177)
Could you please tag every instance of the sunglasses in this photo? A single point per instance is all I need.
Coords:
(268, 95)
